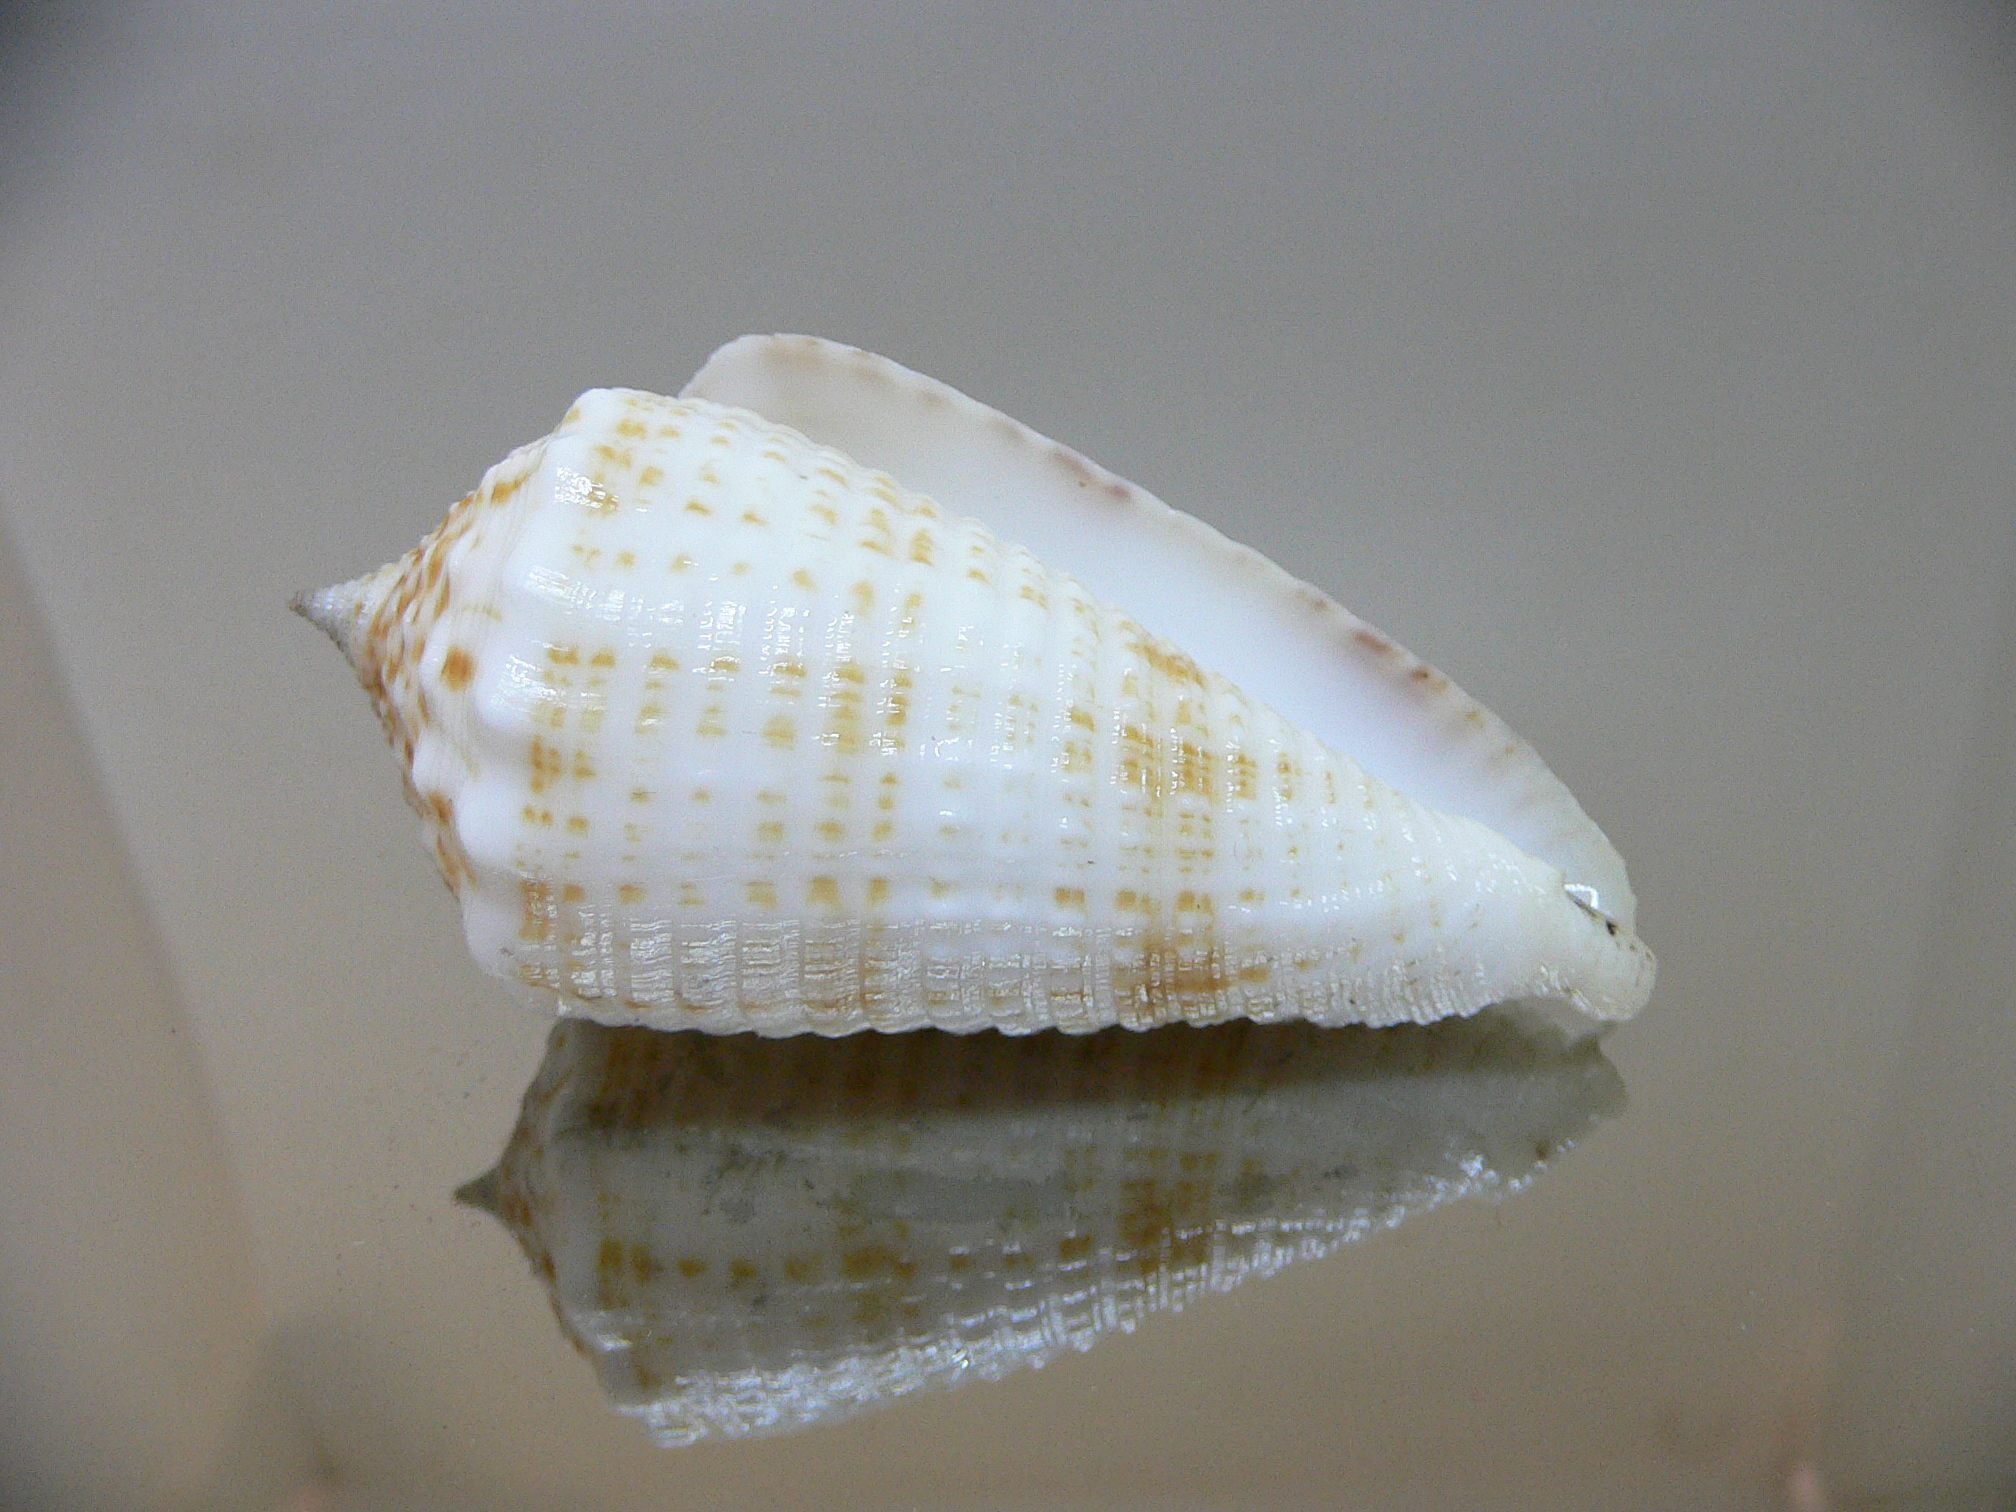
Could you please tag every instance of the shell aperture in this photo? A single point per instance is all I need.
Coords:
(713, 726)
(1278, 639)
(750, 1237)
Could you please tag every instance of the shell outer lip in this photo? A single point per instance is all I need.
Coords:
(794, 372)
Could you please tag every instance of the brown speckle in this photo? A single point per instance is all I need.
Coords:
(1374, 642)
(873, 1260)
(545, 762)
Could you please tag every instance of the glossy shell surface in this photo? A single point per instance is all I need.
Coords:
(714, 726)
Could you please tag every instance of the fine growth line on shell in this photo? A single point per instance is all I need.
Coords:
(729, 712)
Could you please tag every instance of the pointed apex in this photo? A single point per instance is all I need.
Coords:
(343, 611)
(480, 1194)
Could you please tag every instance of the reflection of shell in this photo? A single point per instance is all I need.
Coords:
(750, 1237)
(712, 726)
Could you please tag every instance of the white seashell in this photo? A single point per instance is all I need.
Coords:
(713, 726)
(745, 1237)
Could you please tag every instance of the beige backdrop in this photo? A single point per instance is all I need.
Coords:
(1649, 369)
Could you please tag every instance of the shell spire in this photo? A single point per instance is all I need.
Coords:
(343, 611)
(482, 1194)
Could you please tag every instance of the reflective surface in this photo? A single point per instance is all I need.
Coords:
(749, 1237)
(1648, 369)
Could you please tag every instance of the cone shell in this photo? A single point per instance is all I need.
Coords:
(746, 1237)
(713, 726)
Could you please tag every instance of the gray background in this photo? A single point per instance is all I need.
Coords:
(1652, 369)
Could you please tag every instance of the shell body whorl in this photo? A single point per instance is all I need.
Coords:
(713, 727)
